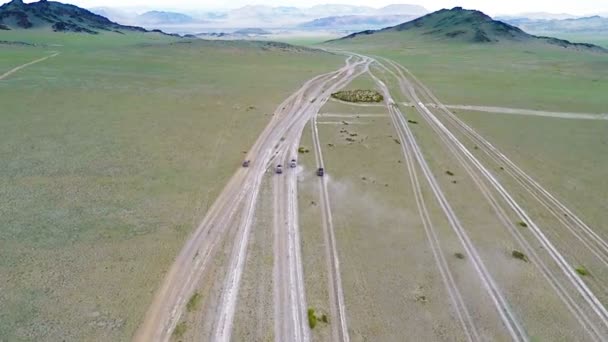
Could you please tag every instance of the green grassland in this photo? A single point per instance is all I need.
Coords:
(597, 39)
(111, 153)
(519, 75)
(567, 156)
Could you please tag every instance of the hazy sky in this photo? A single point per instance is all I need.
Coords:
(578, 7)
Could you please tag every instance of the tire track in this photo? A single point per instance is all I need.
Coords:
(504, 310)
(461, 310)
(192, 262)
(576, 281)
(336, 292)
(15, 69)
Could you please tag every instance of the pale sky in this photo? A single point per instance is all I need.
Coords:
(492, 7)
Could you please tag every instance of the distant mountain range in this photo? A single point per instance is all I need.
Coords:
(467, 26)
(57, 17)
(264, 16)
(353, 22)
(588, 25)
(163, 18)
(538, 16)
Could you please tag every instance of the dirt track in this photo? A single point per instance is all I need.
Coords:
(235, 207)
(15, 69)
(569, 281)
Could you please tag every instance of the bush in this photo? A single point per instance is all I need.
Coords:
(582, 271)
(324, 318)
(522, 224)
(194, 302)
(180, 330)
(519, 255)
(312, 319)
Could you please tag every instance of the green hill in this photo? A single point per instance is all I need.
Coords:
(56, 16)
(470, 26)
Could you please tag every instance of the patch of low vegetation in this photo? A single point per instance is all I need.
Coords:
(194, 302)
(581, 270)
(180, 330)
(358, 95)
(413, 122)
(449, 173)
(324, 318)
(519, 255)
(459, 255)
(313, 318)
(303, 149)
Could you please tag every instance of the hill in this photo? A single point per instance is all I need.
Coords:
(57, 16)
(252, 31)
(469, 26)
(163, 18)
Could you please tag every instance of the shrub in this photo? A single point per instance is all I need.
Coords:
(519, 255)
(194, 302)
(582, 271)
(522, 224)
(312, 319)
(180, 330)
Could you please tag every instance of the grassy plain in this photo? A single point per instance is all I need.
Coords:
(529, 75)
(111, 153)
(568, 157)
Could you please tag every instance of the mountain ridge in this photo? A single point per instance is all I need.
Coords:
(58, 17)
(471, 26)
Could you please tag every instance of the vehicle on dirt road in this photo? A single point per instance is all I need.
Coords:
(279, 169)
(320, 172)
(246, 163)
(293, 163)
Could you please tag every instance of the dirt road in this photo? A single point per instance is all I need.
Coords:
(291, 323)
(235, 207)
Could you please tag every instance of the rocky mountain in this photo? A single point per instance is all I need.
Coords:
(468, 26)
(58, 17)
